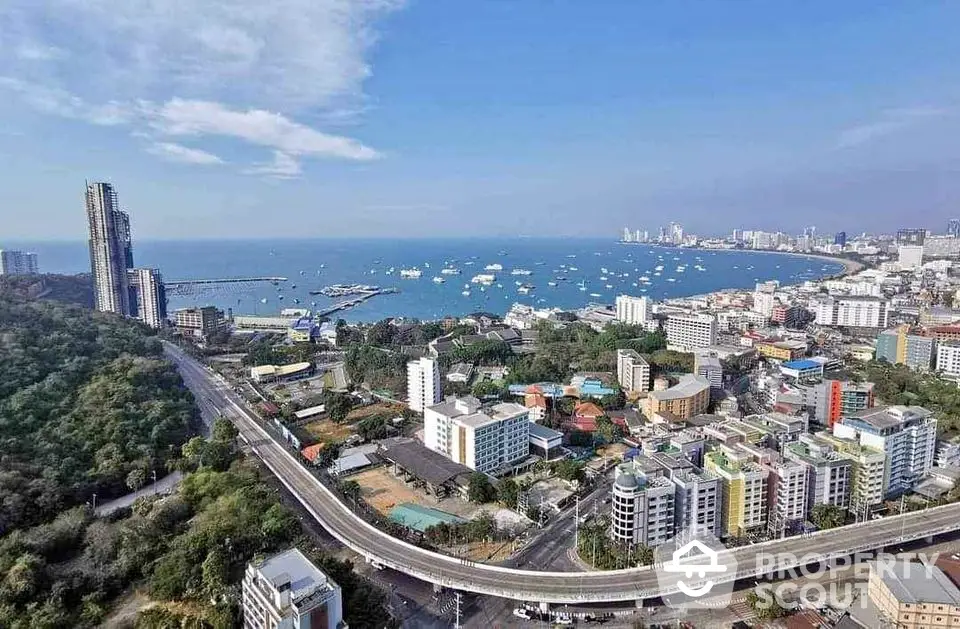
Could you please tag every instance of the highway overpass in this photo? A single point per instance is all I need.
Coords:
(525, 585)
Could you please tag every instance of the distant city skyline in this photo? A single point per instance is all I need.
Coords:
(403, 119)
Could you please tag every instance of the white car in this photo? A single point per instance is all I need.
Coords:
(521, 613)
(563, 620)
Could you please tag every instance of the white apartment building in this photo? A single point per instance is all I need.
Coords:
(696, 502)
(484, 439)
(948, 359)
(633, 372)
(149, 303)
(829, 475)
(18, 262)
(850, 311)
(642, 509)
(906, 434)
(787, 492)
(910, 257)
(423, 384)
(763, 299)
(633, 310)
(287, 591)
(688, 332)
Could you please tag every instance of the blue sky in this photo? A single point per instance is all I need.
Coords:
(237, 118)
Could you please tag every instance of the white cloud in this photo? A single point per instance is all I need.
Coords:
(210, 68)
(180, 153)
(180, 117)
(890, 121)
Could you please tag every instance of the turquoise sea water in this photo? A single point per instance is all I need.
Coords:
(312, 264)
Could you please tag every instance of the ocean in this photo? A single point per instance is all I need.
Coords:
(596, 271)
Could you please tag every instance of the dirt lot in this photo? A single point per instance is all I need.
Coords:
(380, 409)
(328, 431)
(383, 491)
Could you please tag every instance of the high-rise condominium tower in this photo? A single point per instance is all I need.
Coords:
(111, 252)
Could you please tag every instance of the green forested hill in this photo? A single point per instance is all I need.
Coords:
(85, 399)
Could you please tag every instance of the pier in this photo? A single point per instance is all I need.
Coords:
(187, 287)
(350, 303)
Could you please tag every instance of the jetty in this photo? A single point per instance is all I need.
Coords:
(355, 301)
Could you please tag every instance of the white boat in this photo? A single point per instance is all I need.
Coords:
(572, 268)
(525, 289)
(521, 272)
(484, 278)
(449, 271)
(412, 274)
(582, 285)
(603, 278)
(670, 279)
(263, 301)
(493, 267)
(595, 294)
(609, 285)
(660, 268)
(467, 263)
(643, 278)
(438, 280)
(465, 293)
(551, 283)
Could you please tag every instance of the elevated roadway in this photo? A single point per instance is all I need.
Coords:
(548, 587)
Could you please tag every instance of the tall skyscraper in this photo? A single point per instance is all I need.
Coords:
(111, 252)
(840, 239)
(17, 262)
(911, 236)
(953, 227)
(148, 298)
(423, 384)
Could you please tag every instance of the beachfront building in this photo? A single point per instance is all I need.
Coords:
(423, 384)
(485, 439)
(642, 509)
(850, 311)
(829, 475)
(633, 310)
(744, 490)
(633, 372)
(688, 398)
(111, 250)
(199, 321)
(148, 297)
(689, 332)
(18, 262)
(288, 591)
(901, 347)
(907, 434)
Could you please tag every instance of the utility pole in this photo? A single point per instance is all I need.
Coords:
(576, 523)
(457, 596)
(903, 521)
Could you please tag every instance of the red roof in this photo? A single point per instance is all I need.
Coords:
(533, 389)
(587, 409)
(311, 452)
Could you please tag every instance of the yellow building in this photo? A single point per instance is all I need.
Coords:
(869, 470)
(690, 397)
(781, 350)
(743, 504)
(911, 595)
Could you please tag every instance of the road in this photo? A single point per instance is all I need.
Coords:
(165, 485)
(550, 587)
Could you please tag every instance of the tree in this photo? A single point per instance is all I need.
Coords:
(215, 571)
(569, 470)
(338, 405)
(136, 478)
(614, 401)
(826, 516)
(223, 430)
(351, 490)
(479, 489)
(508, 493)
(766, 608)
(486, 388)
(608, 431)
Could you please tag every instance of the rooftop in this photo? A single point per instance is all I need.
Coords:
(293, 567)
(542, 432)
(802, 364)
(688, 386)
(911, 582)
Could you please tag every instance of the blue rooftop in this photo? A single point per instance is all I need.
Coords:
(802, 364)
(303, 323)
